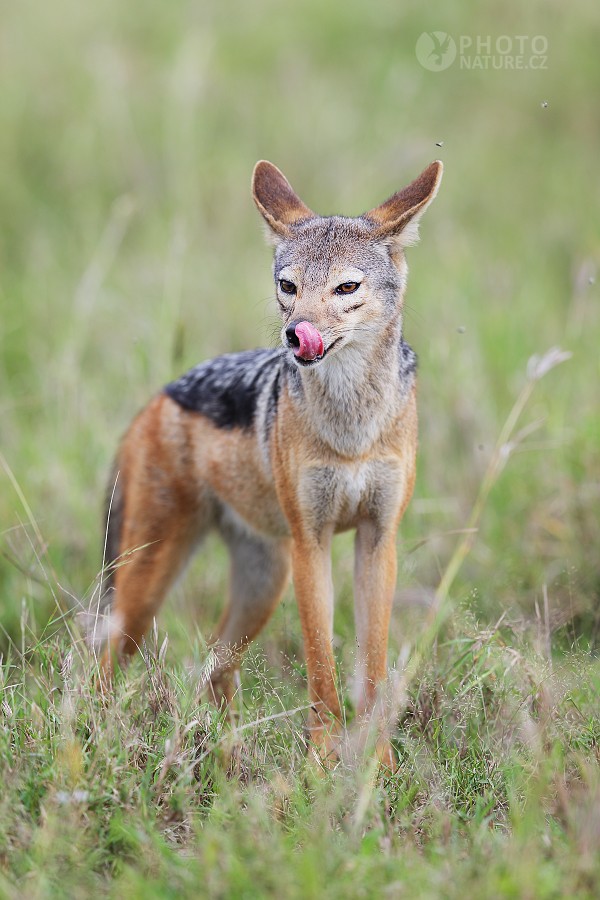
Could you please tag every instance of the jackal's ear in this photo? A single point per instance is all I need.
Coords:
(398, 218)
(276, 200)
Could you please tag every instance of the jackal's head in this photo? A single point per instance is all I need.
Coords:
(339, 281)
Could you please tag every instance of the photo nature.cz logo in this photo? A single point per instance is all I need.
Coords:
(437, 50)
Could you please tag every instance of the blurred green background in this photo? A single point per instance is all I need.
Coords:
(130, 250)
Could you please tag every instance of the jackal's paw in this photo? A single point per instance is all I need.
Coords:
(222, 690)
(386, 756)
(104, 677)
(324, 744)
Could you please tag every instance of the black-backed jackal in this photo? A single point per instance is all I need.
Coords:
(281, 449)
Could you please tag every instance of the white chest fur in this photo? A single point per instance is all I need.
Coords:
(341, 494)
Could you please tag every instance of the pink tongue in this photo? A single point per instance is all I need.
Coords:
(311, 342)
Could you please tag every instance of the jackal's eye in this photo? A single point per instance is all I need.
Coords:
(348, 287)
(287, 287)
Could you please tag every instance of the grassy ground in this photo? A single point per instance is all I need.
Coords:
(130, 250)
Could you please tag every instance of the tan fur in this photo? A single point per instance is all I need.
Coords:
(339, 454)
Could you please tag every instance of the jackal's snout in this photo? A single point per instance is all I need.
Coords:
(304, 339)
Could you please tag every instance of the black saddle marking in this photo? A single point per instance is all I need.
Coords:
(226, 389)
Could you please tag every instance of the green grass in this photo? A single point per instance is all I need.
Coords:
(130, 249)
(152, 794)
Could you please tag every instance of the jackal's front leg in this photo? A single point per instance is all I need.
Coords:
(375, 568)
(311, 560)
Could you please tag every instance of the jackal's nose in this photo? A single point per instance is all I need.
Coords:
(292, 338)
(304, 339)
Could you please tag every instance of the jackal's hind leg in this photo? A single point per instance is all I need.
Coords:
(260, 569)
(156, 542)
